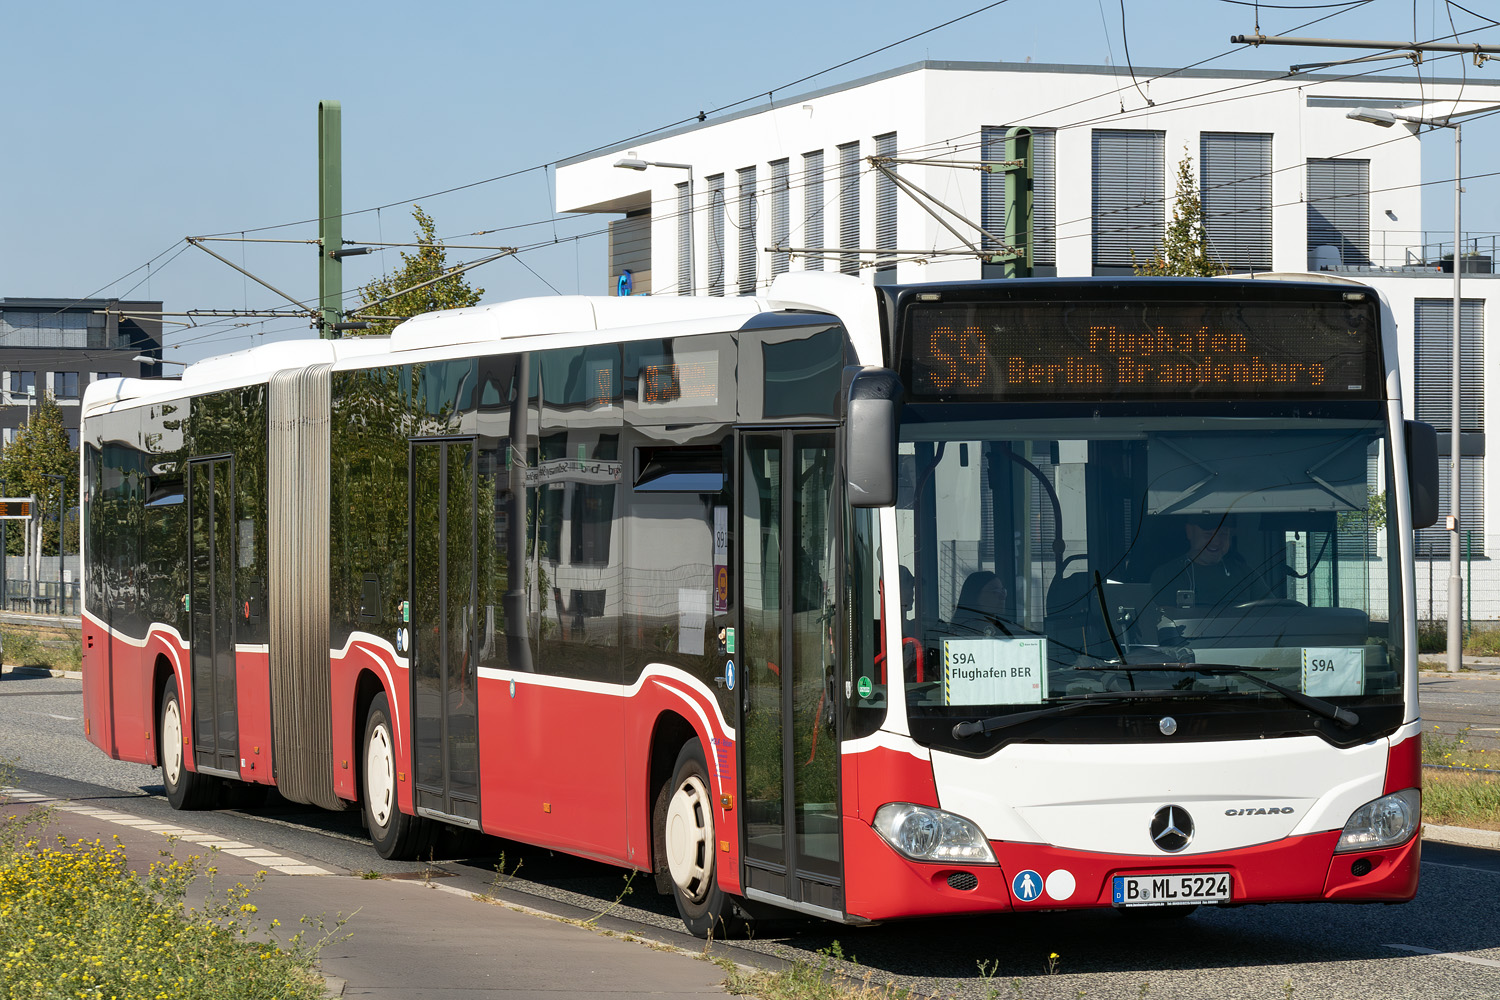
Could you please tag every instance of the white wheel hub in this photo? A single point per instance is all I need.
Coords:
(380, 775)
(690, 839)
(171, 742)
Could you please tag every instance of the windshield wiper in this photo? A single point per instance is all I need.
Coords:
(1064, 703)
(1326, 709)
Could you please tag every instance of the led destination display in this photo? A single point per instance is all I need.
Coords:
(1158, 350)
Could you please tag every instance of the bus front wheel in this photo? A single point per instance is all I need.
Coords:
(685, 828)
(185, 789)
(396, 835)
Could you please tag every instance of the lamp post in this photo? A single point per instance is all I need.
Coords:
(632, 162)
(1385, 119)
(62, 504)
(27, 558)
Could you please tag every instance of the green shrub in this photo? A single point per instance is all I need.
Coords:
(75, 921)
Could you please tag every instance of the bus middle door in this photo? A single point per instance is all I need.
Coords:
(444, 607)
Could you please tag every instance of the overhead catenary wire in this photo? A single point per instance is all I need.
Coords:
(701, 115)
(1341, 8)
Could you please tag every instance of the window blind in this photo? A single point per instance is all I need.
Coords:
(1235, 185)
(1129, 206)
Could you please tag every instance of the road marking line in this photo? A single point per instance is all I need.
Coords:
(255, 855)
(1446, 954)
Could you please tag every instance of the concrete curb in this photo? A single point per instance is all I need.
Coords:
(76, 675)
(1462, 836)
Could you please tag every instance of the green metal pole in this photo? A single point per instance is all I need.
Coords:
(330, 218)
(1018, 196)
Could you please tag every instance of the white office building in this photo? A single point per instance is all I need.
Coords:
(1288, 181)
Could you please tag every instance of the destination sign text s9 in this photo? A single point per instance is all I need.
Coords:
(1100, 350)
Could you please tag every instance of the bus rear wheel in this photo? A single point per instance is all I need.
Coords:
(685, 829)
(185, 789)
(397, 836)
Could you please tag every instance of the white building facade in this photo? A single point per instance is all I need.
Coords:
(1288, 181)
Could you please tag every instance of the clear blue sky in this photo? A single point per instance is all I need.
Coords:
(130, 126)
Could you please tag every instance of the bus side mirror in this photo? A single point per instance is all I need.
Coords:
(1422, 473)
(872, 413)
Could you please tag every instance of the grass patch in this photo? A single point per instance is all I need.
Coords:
(1452, 749)
(819, 979)
(1461, 798)
(53, 649)
(76, 921)
(1481, 640)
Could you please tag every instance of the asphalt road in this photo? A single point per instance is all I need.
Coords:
(1444, 944)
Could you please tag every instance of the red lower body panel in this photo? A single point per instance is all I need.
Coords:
(883, 885)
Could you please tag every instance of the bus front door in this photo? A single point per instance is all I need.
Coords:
(211, 617)
(444, 603)
(789, 745)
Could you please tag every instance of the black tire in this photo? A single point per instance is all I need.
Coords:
(397, 836)
(684, 818)
(185, 789)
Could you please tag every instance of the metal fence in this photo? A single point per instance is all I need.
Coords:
(44, 595)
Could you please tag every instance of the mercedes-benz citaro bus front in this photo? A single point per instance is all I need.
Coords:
(1152, 544)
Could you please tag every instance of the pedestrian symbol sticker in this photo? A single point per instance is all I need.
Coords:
(1027, 886)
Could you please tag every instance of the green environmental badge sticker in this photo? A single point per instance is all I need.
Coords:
(865, 687)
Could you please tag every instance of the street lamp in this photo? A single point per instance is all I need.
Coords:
(147, 359)
(1385, 119)
(632, 162)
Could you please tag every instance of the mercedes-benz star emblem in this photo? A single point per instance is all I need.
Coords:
(1167, 725)
(1171, 828)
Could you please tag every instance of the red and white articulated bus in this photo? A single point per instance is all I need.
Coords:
(864, 603)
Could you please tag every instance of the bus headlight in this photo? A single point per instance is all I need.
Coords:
(926, 834)
(1385, 822)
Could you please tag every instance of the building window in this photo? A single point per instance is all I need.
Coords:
(1433, 325)
(22, 383)
(1235, 184)
(885, 208)
(849, 207)
(812, 206)
(1129, 203)
(748, 249)
(684, 239)
(104, 375)
(65, 385)
(1338, 213)
(716, 234)
(1043, 197)
(73, 438)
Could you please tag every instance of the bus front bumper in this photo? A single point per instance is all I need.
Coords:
(884, 885)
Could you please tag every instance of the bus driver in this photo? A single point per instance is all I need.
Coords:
(1210, 574)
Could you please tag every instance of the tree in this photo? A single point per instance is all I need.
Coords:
(1184, 252)
(40, 450)
(429, 262)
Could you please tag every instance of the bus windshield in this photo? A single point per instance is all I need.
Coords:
(1131, 552)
